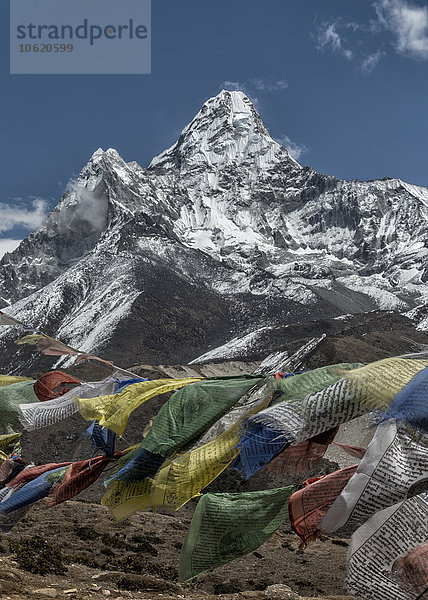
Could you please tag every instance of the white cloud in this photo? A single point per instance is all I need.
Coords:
(371, 61)
(265, 85)
(294, 149)
(354, 47)
(89, 207)
(10, 216)
(408, 22)
(354, 26)
(328, 38)
(233, 86)
(8, 245)
(255, 85)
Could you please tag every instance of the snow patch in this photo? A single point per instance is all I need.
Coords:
(236, 347)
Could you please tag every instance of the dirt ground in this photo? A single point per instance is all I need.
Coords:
(138, 558)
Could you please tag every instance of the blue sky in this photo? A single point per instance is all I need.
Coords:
(342, 83)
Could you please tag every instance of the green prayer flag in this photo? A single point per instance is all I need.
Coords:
(227, 526)
(190, 411)
(294, 389)
(11, 396)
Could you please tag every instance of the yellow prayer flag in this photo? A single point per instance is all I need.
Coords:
(9, 438)
(180, 478)
(9, 379)
(380, 381)
(123, 499)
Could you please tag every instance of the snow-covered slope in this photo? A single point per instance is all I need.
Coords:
(224, 234)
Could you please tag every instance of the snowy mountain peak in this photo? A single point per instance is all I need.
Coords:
(103, 157)
(227, 130)
(98, 153)
(224, 235)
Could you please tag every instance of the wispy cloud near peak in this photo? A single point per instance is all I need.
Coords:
(256, 86)
(294, 149)
(266, 85)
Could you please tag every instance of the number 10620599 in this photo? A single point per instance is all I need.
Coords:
(46, 48)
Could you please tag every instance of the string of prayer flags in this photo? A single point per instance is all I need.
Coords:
(227, 526)
(183, 419)
(249, 421)
(43, 414)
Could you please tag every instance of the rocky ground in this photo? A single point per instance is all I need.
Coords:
(96, 558)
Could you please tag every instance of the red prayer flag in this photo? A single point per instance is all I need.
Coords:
(53, 385)
(78, 477)
(32, 472)
(412, 570)
(303, 456)
(309, 505)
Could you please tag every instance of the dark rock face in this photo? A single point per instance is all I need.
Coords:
(223, 234)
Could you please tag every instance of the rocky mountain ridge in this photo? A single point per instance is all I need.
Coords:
(222, 235)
